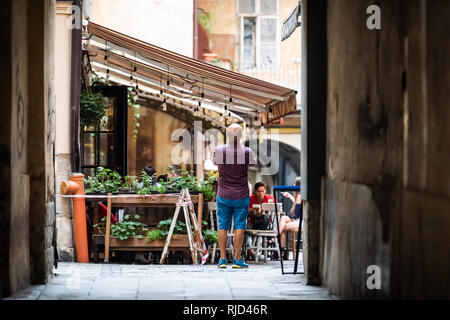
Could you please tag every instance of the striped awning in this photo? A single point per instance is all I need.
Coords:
(171, 75)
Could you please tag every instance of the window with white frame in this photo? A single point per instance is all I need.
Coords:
(259, 36)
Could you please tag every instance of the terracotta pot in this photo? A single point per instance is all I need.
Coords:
(210, 57)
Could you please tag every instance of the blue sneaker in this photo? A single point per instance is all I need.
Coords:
(223, 263)
(239, 264)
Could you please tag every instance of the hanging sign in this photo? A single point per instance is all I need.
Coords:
(291, 23)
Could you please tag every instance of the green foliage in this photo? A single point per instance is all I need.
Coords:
(208, 19)
(208, 191)
(132, 102)
(210, 236)
(128, 228)
(163, 230)
(146, 185)
(164, 226)
(154, 234)
(105, 181)
(185, 179)
(161, 188)
(92, 108)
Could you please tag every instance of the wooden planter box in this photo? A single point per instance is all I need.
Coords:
(177, 242)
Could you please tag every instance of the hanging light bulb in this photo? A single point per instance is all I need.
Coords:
(164, 105)
(270, 114)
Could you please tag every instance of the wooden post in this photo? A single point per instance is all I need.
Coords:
(200, 210)
(108, 228)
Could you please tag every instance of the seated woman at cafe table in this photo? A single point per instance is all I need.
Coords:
(290, 222)
(255, 219)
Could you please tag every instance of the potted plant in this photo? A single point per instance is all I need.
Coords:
(156, 237)
(93, 106)
(129, 185)
(128, 228)
(105, 181)
(145, 186)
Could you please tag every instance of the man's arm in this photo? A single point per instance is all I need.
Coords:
(251, 158)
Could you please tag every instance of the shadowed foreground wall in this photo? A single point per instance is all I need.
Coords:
(386, 192)
(27, 214)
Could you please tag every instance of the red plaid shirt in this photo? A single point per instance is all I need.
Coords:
(233, 163)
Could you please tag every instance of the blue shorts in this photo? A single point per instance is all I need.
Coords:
(236, 208)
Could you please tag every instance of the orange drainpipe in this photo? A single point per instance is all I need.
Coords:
(76, 187)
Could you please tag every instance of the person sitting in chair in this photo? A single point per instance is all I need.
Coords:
(290, 222)
(256, 220)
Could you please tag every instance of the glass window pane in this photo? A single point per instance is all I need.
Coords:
(89, 146)
(268, 6)
(107, 123)
(88, 172)
(106, 149)
(268, 30)
(246, 6)
(268, 55)
(249, 43)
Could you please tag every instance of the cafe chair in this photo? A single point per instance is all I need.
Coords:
(261, 237)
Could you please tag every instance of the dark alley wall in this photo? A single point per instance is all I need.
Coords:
(386, 192)
(27, 212)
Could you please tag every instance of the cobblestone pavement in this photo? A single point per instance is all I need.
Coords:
(76, 281)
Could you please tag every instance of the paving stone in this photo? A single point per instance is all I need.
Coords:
(76, 281)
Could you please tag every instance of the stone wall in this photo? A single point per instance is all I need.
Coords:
(63, 41)
(19, 251)
(27, 133)
(42, 132)
(5, 147)
(386, 193)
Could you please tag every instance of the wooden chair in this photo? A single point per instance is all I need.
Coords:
(260, 237)
(214, 225)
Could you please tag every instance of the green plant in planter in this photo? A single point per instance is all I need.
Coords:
(161, 188)
(185, 179)
(206, 187)
(146, 185)
(210, 236)
(93, 107)
(163, 230)
(129, 227)
(129, 183)
(99, 228)
(105, 181)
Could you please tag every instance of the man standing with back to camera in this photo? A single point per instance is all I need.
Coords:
(233, 160)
